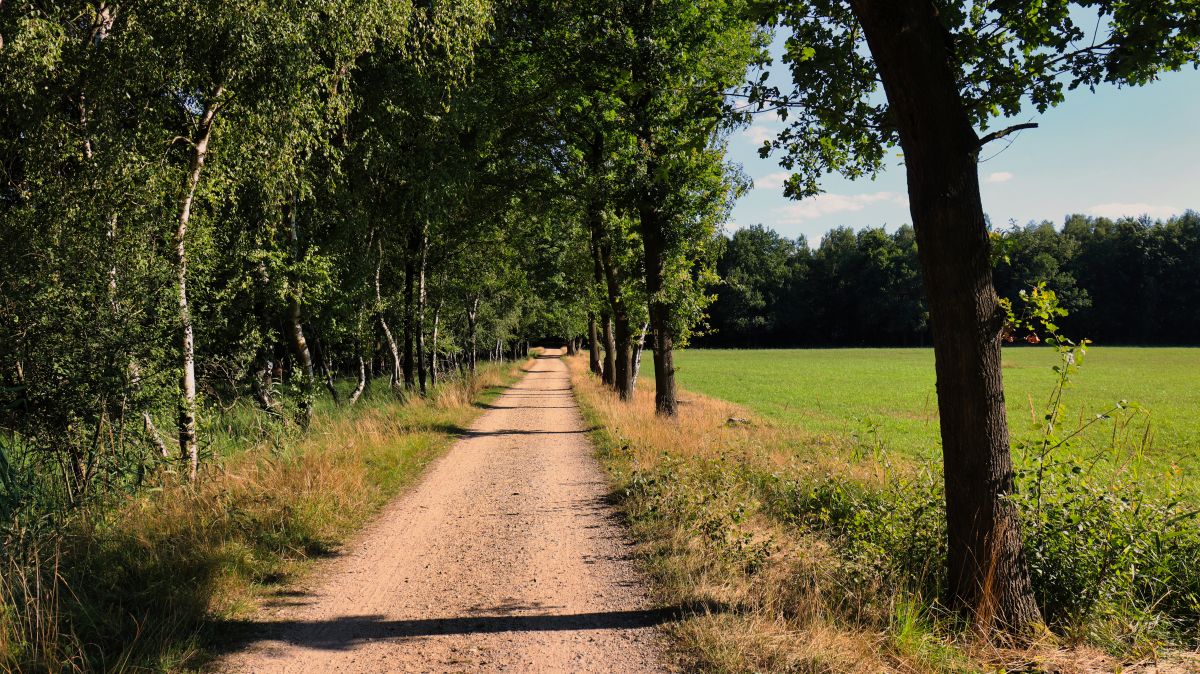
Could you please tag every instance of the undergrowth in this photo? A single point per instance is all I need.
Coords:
(139, 584)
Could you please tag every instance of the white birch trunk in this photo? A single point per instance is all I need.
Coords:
(188, 450)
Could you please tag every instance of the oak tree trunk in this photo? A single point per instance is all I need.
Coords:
(609, 375)
(623, 370)
(620, 374)
(654, 245)
(593, 344)
(988, 578)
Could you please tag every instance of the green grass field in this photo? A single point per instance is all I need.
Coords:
(848, 392)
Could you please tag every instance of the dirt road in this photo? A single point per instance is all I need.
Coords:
(505, 558)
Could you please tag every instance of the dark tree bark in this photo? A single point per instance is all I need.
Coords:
(608, 373)
(620, 374)
(654, 244)
(653, 225)
(593, 344)
(623, 351)
(610, 352)
(988, 578)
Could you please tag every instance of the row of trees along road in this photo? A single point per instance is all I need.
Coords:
(203, 201)
(1128, 281)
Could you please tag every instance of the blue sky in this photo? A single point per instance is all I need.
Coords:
(1115, 152)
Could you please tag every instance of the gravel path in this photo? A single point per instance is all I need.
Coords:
(505, 558)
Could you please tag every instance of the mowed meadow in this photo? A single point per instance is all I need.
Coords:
(885, 400)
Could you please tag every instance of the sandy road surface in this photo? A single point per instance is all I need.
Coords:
(505, 558)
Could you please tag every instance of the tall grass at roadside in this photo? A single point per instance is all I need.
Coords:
(136, 586)
(817, 553)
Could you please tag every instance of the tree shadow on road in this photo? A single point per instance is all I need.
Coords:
(349, 631)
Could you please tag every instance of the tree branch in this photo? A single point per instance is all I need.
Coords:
(997, 135)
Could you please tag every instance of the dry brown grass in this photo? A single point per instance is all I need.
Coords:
(763, 594)
(711, 429)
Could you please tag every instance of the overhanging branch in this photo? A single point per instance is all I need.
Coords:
(997, 135)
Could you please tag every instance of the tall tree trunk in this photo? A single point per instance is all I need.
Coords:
(472, 312)
(420, 331)
(433, 348)
(988, 578)
(610, 352)
(593, 344)
(654, 244)
(296, 340)
(410, 276)
(622, 335)
(188, 450)
(621, 354)
(387, 332)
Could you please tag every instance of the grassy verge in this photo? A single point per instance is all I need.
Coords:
(803, 556)
(137, 586)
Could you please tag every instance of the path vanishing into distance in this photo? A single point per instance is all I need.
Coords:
(505, 557)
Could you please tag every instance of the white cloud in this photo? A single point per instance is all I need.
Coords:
(772, 181)
(731, 227)
(760, 132)
(1117, 210)
(828, 204)
(999, 177)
